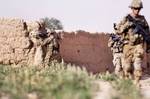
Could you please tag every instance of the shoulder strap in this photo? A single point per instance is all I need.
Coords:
(130, 18)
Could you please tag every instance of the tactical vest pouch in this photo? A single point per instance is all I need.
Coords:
(135, 39)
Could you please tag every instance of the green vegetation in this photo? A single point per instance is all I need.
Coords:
(56, 81)
(126, 89)
(52, 23)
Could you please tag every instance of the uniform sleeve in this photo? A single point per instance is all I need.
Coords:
(110, 42)
(146, 26)
(120, 25)
(124, 25)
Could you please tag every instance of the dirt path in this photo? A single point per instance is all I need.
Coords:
(106, 91)
(145, 86)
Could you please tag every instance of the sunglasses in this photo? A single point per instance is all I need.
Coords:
(136, 8)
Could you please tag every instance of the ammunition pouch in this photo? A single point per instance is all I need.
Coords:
(117, 47)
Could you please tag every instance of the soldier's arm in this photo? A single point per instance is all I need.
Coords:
(148, 33)
(48, 40)
(120, 26)
(146, 26)
(110, 42)
(123, 26)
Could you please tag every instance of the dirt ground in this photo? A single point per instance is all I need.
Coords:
(107, 92)
(145, 86)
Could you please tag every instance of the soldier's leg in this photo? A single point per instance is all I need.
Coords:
(57, 57)
(138, 57)
(127, 57)
(137, 70)
(48, 55)
(38, 58)
(127, 66)
(117, 63)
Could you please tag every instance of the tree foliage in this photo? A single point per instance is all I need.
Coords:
(52, 23)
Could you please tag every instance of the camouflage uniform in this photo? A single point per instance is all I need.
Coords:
(52, 44)
(46, 45)
(38, 48)
(56, 47)
(133, 50)
(116, 48)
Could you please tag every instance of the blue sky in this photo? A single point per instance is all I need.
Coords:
(89, 15)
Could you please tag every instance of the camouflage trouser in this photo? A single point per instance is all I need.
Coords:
(57, 57)
(50, 56)
(117, 62)
(132, 60)
(38, 58)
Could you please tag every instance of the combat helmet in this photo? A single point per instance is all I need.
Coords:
(136, 4)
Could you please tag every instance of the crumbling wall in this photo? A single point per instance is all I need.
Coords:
(89, 50)
(13, 42)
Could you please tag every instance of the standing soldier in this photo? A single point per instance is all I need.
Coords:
(115, 42)
(52, 44)
(135, 30)
(46, 44)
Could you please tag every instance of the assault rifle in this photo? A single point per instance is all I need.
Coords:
(41, 35)
(115, 37)
(139, 29)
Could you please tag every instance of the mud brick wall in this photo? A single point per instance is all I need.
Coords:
(13, 42)
(87, 49)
